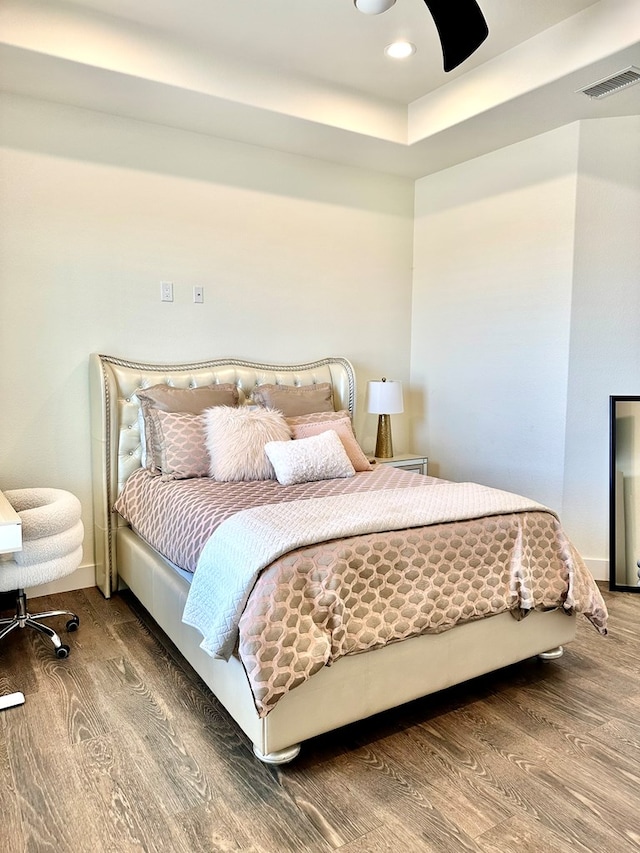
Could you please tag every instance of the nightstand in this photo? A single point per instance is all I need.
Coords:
(407, 461)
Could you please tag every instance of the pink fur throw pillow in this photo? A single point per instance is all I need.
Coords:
(235, 439)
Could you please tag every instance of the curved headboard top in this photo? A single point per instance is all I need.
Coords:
(115, 434)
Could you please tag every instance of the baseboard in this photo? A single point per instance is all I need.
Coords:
(80, 579)
(599, 568)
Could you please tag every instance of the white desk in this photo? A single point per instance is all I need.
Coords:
(10, 540)
(10, 527)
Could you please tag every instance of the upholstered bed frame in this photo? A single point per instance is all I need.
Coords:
(353, 688)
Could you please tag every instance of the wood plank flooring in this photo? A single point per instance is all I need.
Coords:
(122, 748)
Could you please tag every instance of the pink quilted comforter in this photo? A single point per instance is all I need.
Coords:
(321, 602)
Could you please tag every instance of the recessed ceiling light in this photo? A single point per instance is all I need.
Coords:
(373, 7)
(400, 49)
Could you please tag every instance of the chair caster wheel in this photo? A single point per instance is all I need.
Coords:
(72, 624)
(63, 651)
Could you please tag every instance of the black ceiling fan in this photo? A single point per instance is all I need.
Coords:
(460, 23)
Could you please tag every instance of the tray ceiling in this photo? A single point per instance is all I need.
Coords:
(311, 77)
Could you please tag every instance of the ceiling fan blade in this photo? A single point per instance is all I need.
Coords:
(461, 27)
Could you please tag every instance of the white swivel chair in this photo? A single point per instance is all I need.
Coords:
(52, 535)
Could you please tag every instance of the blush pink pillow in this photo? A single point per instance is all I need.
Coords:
(345, 433)
(180, 443)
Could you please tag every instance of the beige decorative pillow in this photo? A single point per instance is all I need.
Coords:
(236, 437)
(317, 417)
(166, 398)
(180, 440)
(319, 457)
(342, 426)
(295, 399)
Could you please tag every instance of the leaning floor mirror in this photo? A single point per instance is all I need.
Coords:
(624, 531)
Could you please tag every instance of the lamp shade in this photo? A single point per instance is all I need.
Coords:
(385, 397)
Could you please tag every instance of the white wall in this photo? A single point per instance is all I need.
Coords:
(605, 319)
(299, 259)
(526, 314)
(491, 306)
(525, 298)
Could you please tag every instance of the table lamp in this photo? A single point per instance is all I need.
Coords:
(385, 399)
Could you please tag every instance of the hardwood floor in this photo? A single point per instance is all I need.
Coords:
(121, 748)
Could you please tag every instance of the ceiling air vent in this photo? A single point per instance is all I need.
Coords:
(612, 84)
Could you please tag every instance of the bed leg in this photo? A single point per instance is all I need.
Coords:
(552, 654)
(280, 756)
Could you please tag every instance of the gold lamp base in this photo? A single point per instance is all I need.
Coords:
(384, 445)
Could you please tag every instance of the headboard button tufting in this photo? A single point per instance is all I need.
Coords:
(115, 380)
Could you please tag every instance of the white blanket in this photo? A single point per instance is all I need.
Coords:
(249, 541)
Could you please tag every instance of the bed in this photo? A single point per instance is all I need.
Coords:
(366, 679)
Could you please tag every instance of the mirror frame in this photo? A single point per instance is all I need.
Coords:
(613, 583)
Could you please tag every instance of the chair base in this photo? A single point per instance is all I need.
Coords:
(24, 619)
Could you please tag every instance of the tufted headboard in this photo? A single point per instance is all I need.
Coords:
(116, 449)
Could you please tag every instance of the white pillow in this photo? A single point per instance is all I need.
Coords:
(319, 457)
(236, 437)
